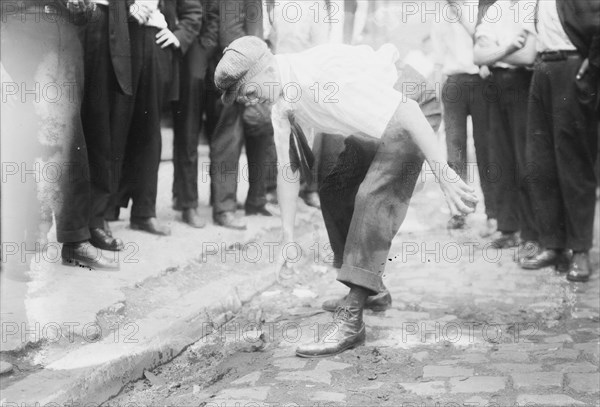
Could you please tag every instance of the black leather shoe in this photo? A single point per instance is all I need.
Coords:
(376, 303)
(100, 239)
(191, 217)
(559, 259)
(580, 269)
(311, 199)
(456, 222)
(527, 250)
(347, 331)
(150, 225)
(228, 220)
(505, 241)
(253, 210)
(85, 255)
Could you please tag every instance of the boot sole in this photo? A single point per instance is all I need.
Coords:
(360, 342)
(77, 263)
(374, 309)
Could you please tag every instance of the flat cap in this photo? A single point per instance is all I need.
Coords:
(242, 59)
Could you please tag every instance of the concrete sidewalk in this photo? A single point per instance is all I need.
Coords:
(79, 335)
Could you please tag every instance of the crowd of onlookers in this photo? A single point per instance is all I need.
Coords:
(525, 72)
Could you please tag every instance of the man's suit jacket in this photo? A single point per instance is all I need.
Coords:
(184, 19)
(239, 18)
(197, 61)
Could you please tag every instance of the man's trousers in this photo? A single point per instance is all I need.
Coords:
(44, 154)
(562, 145)
(151, 73)
(105, 115)
(194, 99)
(464, 95)
(233, 130)
(365, 196)
(508, 118)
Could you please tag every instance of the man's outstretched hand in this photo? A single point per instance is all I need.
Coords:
(282, 269)
(460, 197)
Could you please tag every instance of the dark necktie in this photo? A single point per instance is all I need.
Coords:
(120, 48)
(301, 155)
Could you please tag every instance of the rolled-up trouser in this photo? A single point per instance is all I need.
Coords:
(365, 196)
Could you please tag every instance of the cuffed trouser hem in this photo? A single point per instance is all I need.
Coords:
(97, 223)
(72, 236)
(187, 205)
(553, 244)
(361, 277)
(143, 213)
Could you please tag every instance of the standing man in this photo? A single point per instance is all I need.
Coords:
(366, 104)
(41, 49)
(239, 18)
(506, 46)
(188, 113)
(108, 88)
(159, 35)
(563, 134)
(463, 96)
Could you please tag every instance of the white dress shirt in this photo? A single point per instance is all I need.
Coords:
(454, 48)
(339, 89)
(551, 34)
(505, 21)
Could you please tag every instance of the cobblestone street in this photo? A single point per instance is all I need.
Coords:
(467, 327)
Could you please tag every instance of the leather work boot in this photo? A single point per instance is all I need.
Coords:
(346, 332)
(376, 303)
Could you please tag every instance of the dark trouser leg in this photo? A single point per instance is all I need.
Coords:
(225, 149)
(339, 188)
(456, 110)
(482, 137)
(317, 150)
(543, 180)
(187, 123)
(504, 152)
(104, 115)
(576, 143)
(562, 145)
(271, 166)
(518, 115)
(258, 135)
(144, 144)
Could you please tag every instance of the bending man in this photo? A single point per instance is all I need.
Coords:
(347, 90)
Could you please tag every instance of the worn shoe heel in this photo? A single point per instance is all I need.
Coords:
(73, 263)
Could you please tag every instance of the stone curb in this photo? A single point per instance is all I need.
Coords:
(69, 382)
